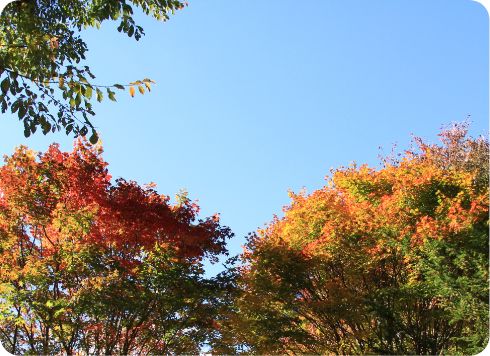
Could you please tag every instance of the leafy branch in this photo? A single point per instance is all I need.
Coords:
(40, 51)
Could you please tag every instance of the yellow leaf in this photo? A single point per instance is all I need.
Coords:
(53, 42)
(141, 89)
(131, 91)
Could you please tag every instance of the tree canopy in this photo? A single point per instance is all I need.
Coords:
(87, 265)
(43, 78)
(386, 261)
(391, 260)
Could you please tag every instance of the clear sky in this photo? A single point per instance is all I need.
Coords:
(256, 97)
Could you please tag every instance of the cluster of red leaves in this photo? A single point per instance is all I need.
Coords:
(60, 197)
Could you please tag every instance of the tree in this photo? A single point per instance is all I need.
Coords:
(387, 261)
(42, 78)
(101, 268)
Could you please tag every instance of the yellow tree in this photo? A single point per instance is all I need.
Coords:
(389, 261)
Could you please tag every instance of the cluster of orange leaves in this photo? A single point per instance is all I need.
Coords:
(427, 194)
(366, 228)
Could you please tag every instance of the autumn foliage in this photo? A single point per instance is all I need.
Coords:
(387, 261)
(92, 266)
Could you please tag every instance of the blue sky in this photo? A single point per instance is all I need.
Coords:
(257, 97)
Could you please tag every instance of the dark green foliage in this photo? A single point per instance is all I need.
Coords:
(42, 79)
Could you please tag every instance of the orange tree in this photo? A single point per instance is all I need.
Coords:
(389, 261)
(97, 267)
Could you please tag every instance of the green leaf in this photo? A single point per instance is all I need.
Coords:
(22, 111)
(46, 126)
(111, 95)
(88, 92)
(119, 86)
(78, 99)
(5, 85)
(127, 9)
(115, 15)
(100, 95)
(94, 138)
(15, 106)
